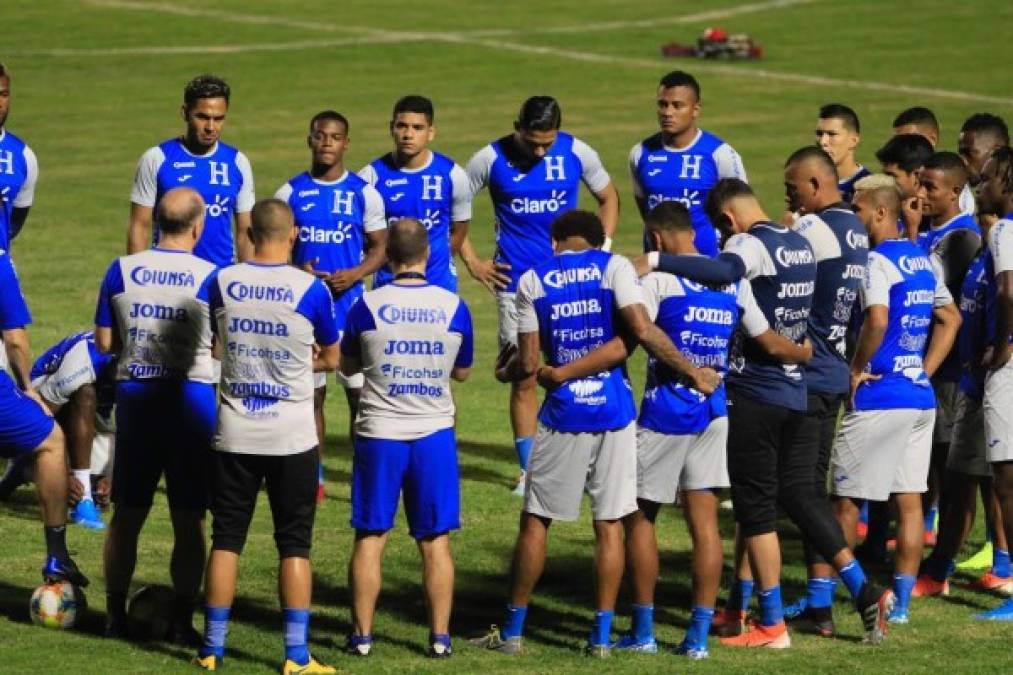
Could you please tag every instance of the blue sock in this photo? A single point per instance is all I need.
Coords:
(1000, 562)
(819, 592)
(853, 577)
(513, 622)
(771, 612)
(523, 447)
(440, 638)
(216, 627)
(297, 629)
(320, 473)
(863, 513)
(940, 568)
(739, 596)
(602, 627)
(902, 587)
(643, 622)
(699, 626)
(930, 519)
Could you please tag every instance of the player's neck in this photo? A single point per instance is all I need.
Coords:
(412, 162)
(879, 233)
(328, 174)
(271, 253)
(175, 244)
(195, 148)
(847, 168)
(410, 275)
(948, 214)
(572, 245)
(681, 139)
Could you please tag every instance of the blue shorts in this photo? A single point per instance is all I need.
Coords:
(424, 469)
(24, 425)
(163, 427)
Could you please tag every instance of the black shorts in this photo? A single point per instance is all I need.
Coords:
(291, 490)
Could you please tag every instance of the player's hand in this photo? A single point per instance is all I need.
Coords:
(642, 265)
(857, 379)
(489, 273)
(310, 267)
(505, 362)
(705, 380)
(789, 217)
(103, 488)
(807, 349)
(911, 211)
(548, 377)
(342, 280)
(75, 491)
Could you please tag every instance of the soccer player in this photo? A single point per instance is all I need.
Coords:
(838, 133)
(277, 323)
(902, 158)
(883, 446)
(200, 160)
(682, 162)
(917, 120)
(533, 176)
(26, 428)
(996, 195)
(568, 306)
(150, 313)
(416, 182)
(981, 134)
(19, 171)
(410, 338)
(771, 444)
(341, 239)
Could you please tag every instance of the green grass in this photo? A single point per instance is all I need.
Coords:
(89, 117)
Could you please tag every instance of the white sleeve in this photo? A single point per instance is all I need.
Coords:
(284, 192)
(593, 172)
(368, 174)
(26, 195)
(375, 217)
(967, 203)
(145, 188)
(881, 275)
(1000, 245)
(651, 289)
(824, 242)
(943, 296)
(527, 318)
(752, 253)
(729, 163)
(478, 169)
(461, 208)
(247, 197)
(753, 319)
(75, 371)
(622, 279)
(636, 152)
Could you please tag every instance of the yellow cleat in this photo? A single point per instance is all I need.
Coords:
(314, 667)
(209, 662)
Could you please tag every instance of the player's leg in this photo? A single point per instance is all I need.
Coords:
(935, 498)
(353, 392)
(80, 429)
(438, 582)
(523, 394)
(320, 420)
(1000, 545)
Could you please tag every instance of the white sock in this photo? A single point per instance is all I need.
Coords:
(83, 476)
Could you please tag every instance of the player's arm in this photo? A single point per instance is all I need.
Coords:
(461, 324)
(1001, 347)
(654, 340)
(244, 207)
(460, 208)
(520, 362)
(638, 189)
(946, 325)
(598, 181)
(139, 228)
(603, 358)
(374, 224)
(325, 358)
(244, 243)
(956, 253)
(725, 268)
(18, 218)
(143, 196)
(26, 194)
(487, 272)
(784, 350)
(870, 337)
(608, 211)
(19, 356)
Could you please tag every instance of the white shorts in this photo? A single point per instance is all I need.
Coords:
(882, 452)
(667, 463)
(946, 411)
(356, 381)
(564, 465)
(506, 308)
(103, 448)
(967, 449)
(998, 407)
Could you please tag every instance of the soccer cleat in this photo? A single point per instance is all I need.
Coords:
(55, 570)
(629, 643)
(116, 627)
(313, 667)
(493, 641)
(899, 615)
(814, 620)
(209, 662)
(980, 560)
(321, 493)
(694, 653)
(771, 637)
(86, 514)
(729, 622)
(874, 605)
(601, 651)
(1003, 612)
(183, 633)
(522, 482)
(927, 587)
(990, 582)
(438, 650)
(359, 645)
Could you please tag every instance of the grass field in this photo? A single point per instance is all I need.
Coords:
(97, 82)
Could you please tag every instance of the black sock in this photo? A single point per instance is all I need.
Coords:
(182, 610)
(56, 541)
(116, 604)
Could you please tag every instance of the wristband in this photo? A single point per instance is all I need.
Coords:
(652, 259)
(607, 246)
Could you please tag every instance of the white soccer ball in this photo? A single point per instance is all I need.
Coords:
(57, 605)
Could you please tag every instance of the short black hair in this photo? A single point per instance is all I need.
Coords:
(989, 124)
(908, 151)
(413, 103)
(540, 113)
(949, 163)
(331, 115)
(839, 111)
(205, 86)
(680, 78)
(723, 192)
(919, 115)
(669, 215)
(407, 241)
(578, 223)
(4, 71)
(1003, 158)
(815, 152)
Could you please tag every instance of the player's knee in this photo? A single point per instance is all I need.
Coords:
(85, 400)
(55, 444)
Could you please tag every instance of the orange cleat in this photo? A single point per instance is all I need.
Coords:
(729, 622)
(926, 587)
(990, 582)
(771, 637)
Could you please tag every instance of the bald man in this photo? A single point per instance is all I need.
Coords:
(151, 312)
(278, 324)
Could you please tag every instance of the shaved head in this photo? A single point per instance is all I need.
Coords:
(407, 242)
(179, 210)
(272, 220)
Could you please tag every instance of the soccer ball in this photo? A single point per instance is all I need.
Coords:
(57, 605)
(149, 614)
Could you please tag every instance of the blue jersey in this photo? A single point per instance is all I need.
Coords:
(18, 172)
(932, 239)
(662, 173)
(901, 278)
(436, 195)
(572, 301)
(846, 186)
(528, 195)
(223, 177)
(13, 308)
(333, 220)
(975, 333)
(700, 320)
(841, 246)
